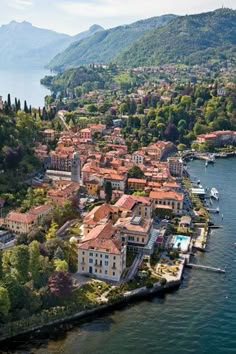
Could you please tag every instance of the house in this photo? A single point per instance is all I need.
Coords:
(41, 211)
(167, 199)
(185, 221)
(21, 223)
(102, 254)
(136, 184)
(138, 157)
(135, 230)
(63, 191)
(48, 135)
(86, 134)
(135, 205)
(176, 166)
(117, 181)
(92, 187)
(99, 215)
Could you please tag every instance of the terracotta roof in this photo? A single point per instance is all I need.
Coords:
(126, 202)
(98, 213)
(40, 209)
(101, 238)
(142, 227)
(18, 217)
(137, 180)
(162, 194)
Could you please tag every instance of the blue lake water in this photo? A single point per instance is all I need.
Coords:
(198, 318)
(25, 85)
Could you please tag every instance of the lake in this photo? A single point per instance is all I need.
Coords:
(198, 318)
(25, 85)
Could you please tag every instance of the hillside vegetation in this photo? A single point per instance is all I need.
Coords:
(194, 39)
(104, 46)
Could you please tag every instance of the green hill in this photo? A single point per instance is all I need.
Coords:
(191, 39)
(104, 46)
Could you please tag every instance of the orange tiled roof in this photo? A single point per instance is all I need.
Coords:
(15, 216)
(162, 194)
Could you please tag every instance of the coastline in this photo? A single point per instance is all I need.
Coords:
(136, 295)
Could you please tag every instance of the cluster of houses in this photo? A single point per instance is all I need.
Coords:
(217, 138)
(108, 230)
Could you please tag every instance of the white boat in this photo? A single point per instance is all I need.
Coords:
(211, 158)
(214, 193)
(206, 163)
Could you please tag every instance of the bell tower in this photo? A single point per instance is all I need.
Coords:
(75, 168)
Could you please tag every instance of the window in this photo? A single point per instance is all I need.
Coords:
(83, 252)
(114, 257)
(96, 270)
(90, 254)
(114, 273)
(100, 255)
(106, 263)
(96, 255)
(100, 263)
(90, 260)
(114, 265)
(82, 259)
(82, 268)
(105, 271)
(143, 240)
(137, 239)
(106, 256)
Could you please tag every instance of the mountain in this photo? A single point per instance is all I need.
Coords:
(23, 45)
(93, 29)
(104, 46)
(191, 39)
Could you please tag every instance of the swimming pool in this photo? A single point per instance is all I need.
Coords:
(181, 241)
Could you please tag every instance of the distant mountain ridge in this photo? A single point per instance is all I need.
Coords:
(104, 46)
(23, 45)
(192, 39)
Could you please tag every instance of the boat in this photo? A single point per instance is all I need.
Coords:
(211, 158)
(214, 193)
(213, 211)
(206, 163)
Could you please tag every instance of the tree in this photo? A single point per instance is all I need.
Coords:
(59, 254)
(1, 270)
(52, 232)
(108, 191)
(5, 303)
(9, 101)
(171, 132)
(60, 284)
(20, 262)
(135, 172)
(34, 263)
(60, 265)
(26, 110)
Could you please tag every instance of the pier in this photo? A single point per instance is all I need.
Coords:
(199, 266)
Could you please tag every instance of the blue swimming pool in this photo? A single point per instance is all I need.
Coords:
(181, 241)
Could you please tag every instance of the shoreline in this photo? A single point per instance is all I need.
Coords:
(136, 295)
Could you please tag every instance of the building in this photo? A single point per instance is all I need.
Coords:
(135, 230)
(99, 215)
(102, 254)
(20, 223)
(176, 166)
(138, 157)
(117, 181)
(217, 138)
(86, 134)
(167, 199)
(1, 103)
(63, 191)
(160, 150)
(92, 188)
(64, 165)
(48, 135)
(75, 168)
(136, 184)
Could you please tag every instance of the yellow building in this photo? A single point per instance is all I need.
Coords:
(92, 187)
(102, 254)
(20, 223)
(167, 199)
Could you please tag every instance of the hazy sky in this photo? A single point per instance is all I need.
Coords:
(74, 16)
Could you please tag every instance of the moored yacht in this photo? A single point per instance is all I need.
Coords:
(214, 193)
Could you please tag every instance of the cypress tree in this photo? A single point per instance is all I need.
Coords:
(9, 101)
(26, 110)
(19, 105)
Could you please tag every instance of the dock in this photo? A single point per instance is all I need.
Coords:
(213, 211)
(199, 266)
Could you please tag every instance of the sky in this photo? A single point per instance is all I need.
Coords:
(74, 16)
